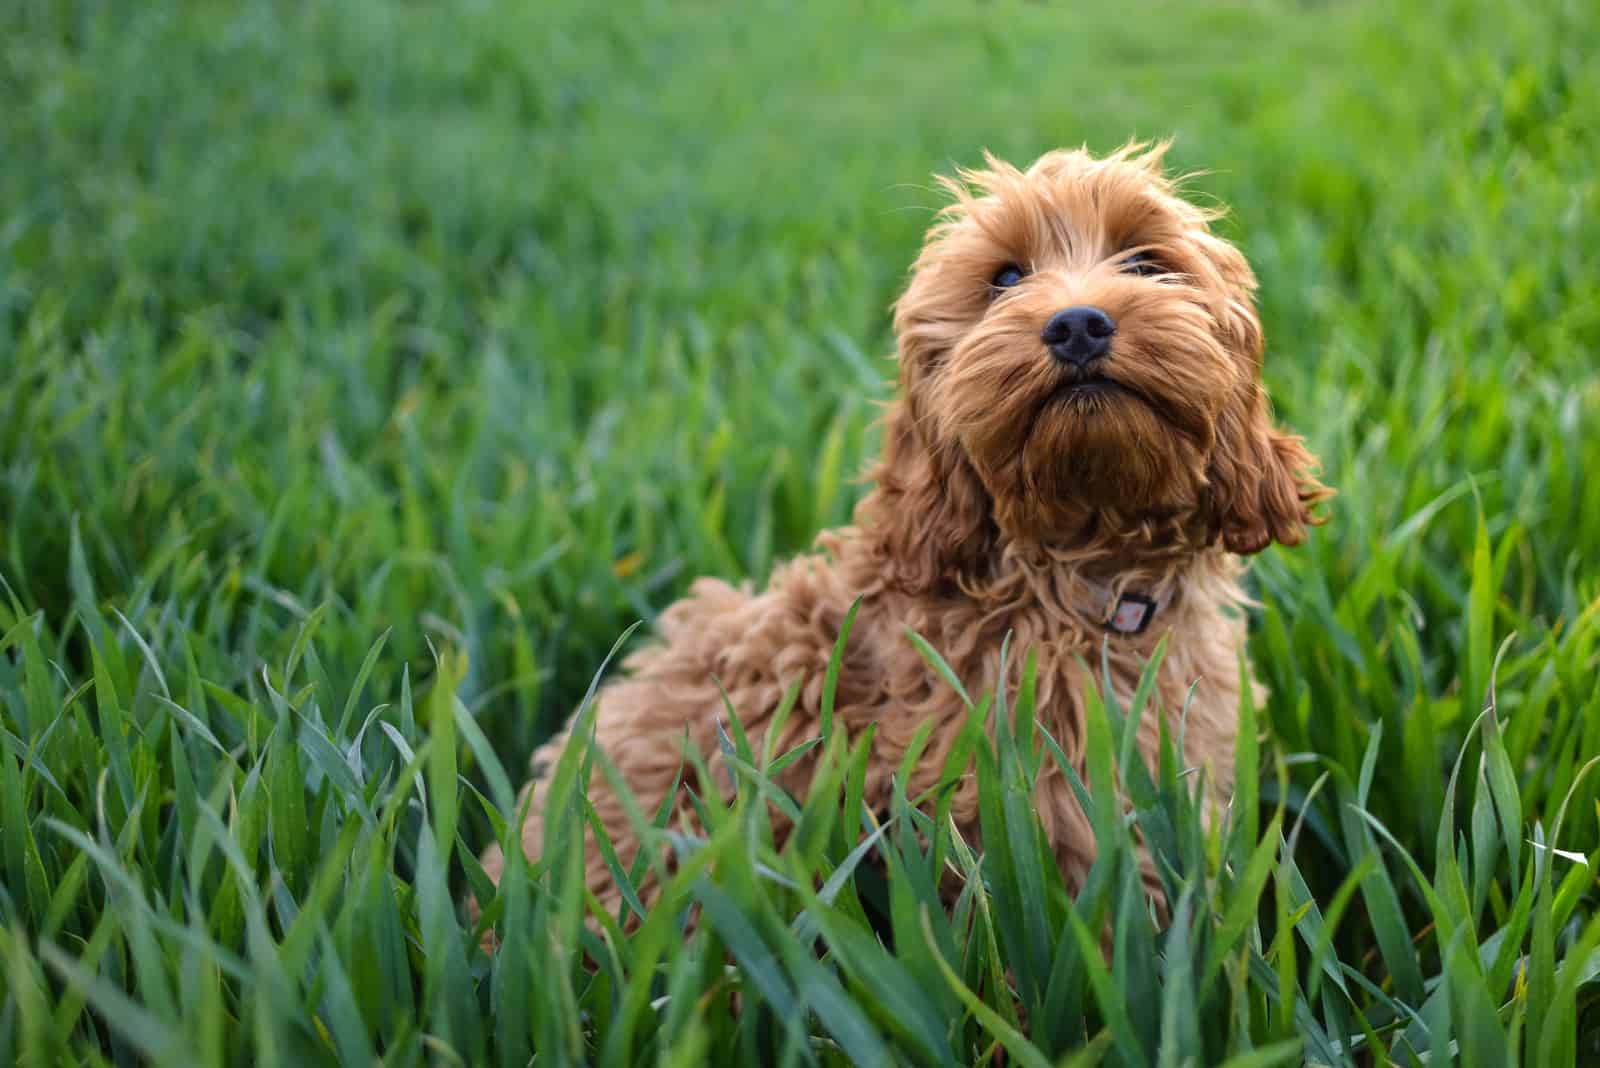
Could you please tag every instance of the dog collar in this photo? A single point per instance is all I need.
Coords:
(1127, 613)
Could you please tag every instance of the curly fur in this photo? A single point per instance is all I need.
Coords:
(1003, 501)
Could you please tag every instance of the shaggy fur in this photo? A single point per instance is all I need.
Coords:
(1010, 496)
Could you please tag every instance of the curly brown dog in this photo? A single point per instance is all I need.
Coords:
(1080, 447)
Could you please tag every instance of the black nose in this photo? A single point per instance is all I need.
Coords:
(1078, 334)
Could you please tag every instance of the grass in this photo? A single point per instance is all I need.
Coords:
(366, 369)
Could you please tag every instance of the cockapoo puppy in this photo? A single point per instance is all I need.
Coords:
(1079, 450)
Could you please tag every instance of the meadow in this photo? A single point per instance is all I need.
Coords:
(368, 369)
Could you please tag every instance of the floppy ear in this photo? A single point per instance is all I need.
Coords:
(929, 517)
(1261, 479)
(1262, 484)
(928, 521)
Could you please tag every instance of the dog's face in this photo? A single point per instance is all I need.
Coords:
(1078, 341)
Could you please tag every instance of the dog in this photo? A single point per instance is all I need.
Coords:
(1079, 453)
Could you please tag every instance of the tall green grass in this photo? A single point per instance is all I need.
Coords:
(367, 369)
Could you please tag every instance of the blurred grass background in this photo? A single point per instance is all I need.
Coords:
(492, 324)
(522, 316)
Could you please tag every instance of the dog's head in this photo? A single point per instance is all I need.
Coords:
(1080, 356)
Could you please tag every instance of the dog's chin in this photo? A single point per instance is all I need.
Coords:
(1097, 448)
(1057, 452)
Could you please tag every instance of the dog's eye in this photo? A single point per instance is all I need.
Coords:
(1008, 276)
(1142, 263)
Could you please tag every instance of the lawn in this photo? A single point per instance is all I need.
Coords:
(366, 369)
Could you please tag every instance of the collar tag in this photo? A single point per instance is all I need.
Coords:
(1133, 614)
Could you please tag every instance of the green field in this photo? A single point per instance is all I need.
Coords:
(367, 368)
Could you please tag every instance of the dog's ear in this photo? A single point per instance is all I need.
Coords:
(1235, 284)
(929, 517)
(929, 520)
(1261, 480)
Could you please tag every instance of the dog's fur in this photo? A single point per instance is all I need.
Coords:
(1005, 502)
